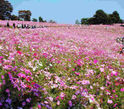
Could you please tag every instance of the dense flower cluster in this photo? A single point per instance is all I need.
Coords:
(61, 67)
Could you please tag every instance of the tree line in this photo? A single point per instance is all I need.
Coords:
(23, 15)
(100, 17)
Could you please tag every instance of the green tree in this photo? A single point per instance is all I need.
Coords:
(14, 17)
(51, 21)
(77, 22)
(121, 21)
(100, 17)
(84, 21)
(34, 20)
(44, 21)
(109, 19)
(41, 19)
(24, 15)
(92, 20)
(5, 9)
(116, 16)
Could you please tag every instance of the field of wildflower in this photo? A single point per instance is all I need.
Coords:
(61, 67)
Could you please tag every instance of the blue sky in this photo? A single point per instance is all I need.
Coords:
(67, 11)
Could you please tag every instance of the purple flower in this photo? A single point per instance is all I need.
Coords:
(36, 85)
(23, 103)
(36, 94)
(1, 104)
(70, 103)
(8, 100)
(28, 100)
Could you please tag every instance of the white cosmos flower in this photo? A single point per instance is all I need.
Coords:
(34, 68)
(1, 47)
(40, 64)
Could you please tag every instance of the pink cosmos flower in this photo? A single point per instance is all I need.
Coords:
(95, 61)
(7, 67)
(58, 102)
(57, 97)
(73, 69)
(21, 75)
(85, 82)
(109, 101)
(62, 95)
(115, 105)
(114, 91)
(7, 90)
(102, 69)
(46, 102)
(77, 73)
(122, 89)
(1, 57)
(39, 106)
(19, 52)
(35, 54)
(50, 98)
(2, 76)
(113, 73)
(74, 97)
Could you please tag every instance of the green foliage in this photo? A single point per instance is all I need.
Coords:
(51, 21)
(34, 20)
(14, 17)
(84, 21)
(41, 19)
(77, 22)
(116, 16)
(5, 9)
(24, 15)
(101, 17)
(91, 20)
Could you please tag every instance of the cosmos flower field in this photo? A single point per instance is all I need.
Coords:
(61, 67)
